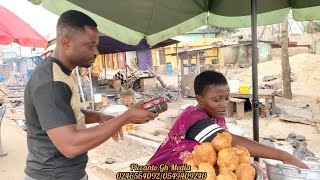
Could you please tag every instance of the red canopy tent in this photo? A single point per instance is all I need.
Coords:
(14, 29)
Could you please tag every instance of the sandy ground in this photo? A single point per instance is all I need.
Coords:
(15, 144)
(139, 150)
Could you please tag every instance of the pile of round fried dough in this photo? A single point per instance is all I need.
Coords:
(221, 161)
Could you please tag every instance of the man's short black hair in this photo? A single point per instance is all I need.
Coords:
(73, 20)
(206, 79)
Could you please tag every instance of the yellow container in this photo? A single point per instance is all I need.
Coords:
(128, 127)
(244, 88)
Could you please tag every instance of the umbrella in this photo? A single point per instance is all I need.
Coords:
(13, 29)
(156, 20)
(129, 21)
(109, 45)
(40, 19)
(5, 37)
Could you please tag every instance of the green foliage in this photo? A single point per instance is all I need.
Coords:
(312, 27)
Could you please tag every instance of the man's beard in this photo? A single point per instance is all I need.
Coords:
(86, 65)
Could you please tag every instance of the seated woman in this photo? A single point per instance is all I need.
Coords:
(202, 123)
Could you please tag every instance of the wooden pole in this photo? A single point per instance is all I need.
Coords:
(177, 55)
(285, 63)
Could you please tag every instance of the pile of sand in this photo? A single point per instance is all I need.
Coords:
(306, 68)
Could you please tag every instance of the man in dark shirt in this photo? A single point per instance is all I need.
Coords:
(57, 138)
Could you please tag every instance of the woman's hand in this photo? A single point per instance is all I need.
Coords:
(289, 159)
(259, 150)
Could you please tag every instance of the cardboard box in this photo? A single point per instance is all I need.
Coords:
(148, 83)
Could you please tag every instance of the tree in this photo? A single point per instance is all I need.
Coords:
(36, 2)
(312, 27)
(285, 63)
(209, 29)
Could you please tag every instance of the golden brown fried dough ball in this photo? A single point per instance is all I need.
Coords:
(227, 159)
(243, 153)
(226, 175)
(245, 172)
(222, 141)
(208, 168)
(189, 160)
(204, 153)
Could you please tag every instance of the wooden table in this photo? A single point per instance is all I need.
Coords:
(267, 94)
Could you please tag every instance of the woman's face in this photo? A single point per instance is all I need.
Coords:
(215, 101)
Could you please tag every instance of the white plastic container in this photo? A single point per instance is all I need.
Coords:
(97, 98)
(115, 110)
(235, 129)
(234, 86)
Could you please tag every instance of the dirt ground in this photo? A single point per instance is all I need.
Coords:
(14, 142)
(140, 144)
